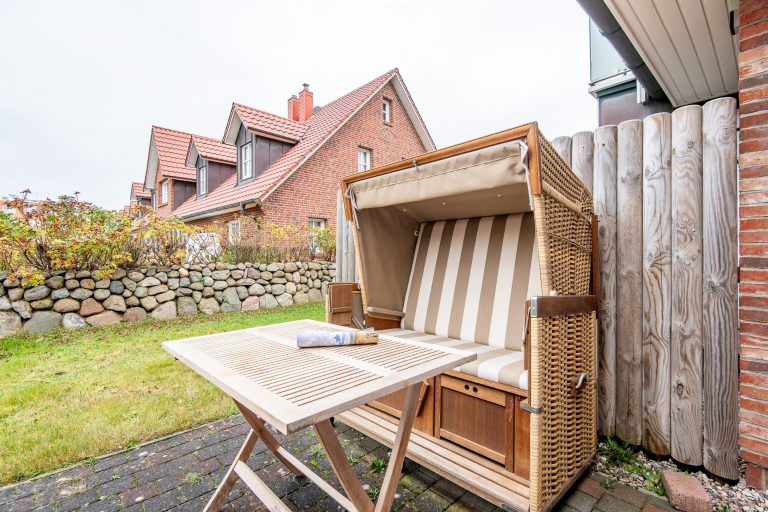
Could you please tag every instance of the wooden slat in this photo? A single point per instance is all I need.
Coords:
(720, 321)
(260, 489)
(605, 207)
(491, 485)
(341, 467)
(557, 305)
(629, 282)
(582, 154)
(685, 340)
(563, 147)
(293, 388)
(657, 220)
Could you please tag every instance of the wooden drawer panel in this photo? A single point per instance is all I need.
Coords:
(425, 416)
(483, 419)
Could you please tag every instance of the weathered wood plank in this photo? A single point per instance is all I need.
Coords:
(582, 155)
(685, 340)
(657, 220)
(720, 320)
(563, 147)
(629, 285)
(604, 198)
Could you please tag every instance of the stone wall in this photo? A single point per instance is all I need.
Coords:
(77, 299)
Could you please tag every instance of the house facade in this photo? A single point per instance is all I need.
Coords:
(284, 169)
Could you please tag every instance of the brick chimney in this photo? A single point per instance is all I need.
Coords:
(293, 108)
(305, 104)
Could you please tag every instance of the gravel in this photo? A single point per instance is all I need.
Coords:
(738, 497)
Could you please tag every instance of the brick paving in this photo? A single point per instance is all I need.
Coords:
(180, 472)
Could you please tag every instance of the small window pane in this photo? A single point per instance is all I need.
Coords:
(164, 192)
(363, 159)
(386, 107)
(202, 180)
(246, 162)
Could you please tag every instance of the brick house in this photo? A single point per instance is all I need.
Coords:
(284, 170)
(722, 53)
(139, 195)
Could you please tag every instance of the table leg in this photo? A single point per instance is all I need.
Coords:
(399, 448)
(342, 467)
(222, 491)
(274, 446)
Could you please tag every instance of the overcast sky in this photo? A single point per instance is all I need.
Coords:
(81, 82)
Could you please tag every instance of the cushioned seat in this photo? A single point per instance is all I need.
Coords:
(495, 364)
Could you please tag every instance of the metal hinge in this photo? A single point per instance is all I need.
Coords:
(533, 410)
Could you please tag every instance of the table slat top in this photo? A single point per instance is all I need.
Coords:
(292, 388)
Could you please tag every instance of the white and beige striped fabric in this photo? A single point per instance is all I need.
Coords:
(468, 286)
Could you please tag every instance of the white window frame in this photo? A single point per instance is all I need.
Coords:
(363, 159)
(386, 111)
(202, 180)
(314, 223)
(246, 161)
(233, 231)
(164, 195)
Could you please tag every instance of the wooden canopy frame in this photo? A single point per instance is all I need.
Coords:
(550, 430)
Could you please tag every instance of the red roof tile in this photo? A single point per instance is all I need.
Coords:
(265, 122)
(214, 149)
(318, 128)
(138, 190)
(172, 149)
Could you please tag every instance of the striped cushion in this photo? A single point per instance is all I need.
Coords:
(495, 364)
(471, 277)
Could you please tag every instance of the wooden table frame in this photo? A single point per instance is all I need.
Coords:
(258, 369)
(356, 500)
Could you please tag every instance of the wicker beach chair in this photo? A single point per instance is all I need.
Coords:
(486, 246)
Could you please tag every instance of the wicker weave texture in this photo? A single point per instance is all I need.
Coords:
(564, 236)
(564, 434)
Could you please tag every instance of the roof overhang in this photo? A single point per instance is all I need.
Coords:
(227, 208)
(152, 164)
(192, 153)
(233, 126)
(690, 47)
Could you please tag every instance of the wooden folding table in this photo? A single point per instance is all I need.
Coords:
(273, 382)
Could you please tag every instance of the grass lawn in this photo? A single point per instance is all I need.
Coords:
(69, 395)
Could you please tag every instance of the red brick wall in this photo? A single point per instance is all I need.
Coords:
(311, 191)
(163, 209)
(753, 235)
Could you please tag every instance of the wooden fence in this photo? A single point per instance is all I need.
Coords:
(665, 190)
(346, 263)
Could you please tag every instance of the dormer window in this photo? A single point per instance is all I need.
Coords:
(202, 180)
(386, 111)
(246, 161)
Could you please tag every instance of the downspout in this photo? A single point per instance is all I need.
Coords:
(602, 17)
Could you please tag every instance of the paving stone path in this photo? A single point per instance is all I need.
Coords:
(180, 472)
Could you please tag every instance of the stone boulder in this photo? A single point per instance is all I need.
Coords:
(66, 306)
(115, 303)
(72, 321)
(149, 282)
(90, 306)
(105, 318)
(164, 311)
(132, 302)
(71, 284)
(88, 283)
(285, 299)
(16, 294)
(148, 303)
(186, 306)
(220, 275)
(43, 321)
(250, 304)
(209, 306)
(300, 298)
(116, 287)
(165, 296)
(23, 308)
(41, 304)
(36, 293)
(157, 290)
(100, 294)
(5, 304)
(55, 282)
(80, 293)
(102, 284)
(231, 301)
(256, 289)
(268, 301)
(59, 293)
(135, 315)
(315, 295)
(9, 323)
